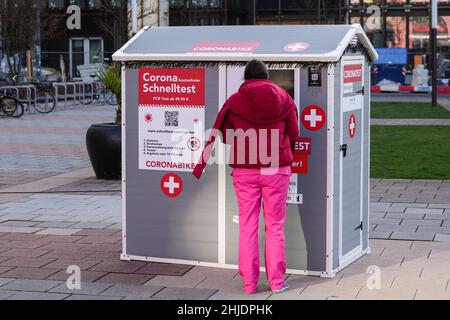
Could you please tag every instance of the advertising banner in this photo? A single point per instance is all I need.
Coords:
(171, 118)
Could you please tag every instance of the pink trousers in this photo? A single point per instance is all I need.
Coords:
(272, 189)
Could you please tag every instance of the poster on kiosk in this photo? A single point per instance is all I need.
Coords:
(172, 93)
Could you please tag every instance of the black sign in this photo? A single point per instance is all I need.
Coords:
(314, 77)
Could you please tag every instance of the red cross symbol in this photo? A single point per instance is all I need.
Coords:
(313, 117)
(352, 126)
(171, 185)
(296, 46)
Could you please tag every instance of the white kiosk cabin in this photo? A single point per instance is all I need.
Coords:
(175, 79)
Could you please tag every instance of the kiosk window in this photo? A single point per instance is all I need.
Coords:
(283, 79)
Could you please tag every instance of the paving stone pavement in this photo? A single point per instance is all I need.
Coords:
(55, 214)
(409, 270)
(23, 140)
(400, 209)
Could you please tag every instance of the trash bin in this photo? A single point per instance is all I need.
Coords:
(175, 79)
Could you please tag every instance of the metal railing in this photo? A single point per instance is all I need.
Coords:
(67, 94)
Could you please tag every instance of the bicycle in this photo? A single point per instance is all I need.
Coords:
(44, 100)
(11, 106)
(99, 93)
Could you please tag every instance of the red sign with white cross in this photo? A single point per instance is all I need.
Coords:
(171, 185)
(313, 117)
(352, 126)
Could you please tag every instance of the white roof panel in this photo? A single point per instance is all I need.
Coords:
(322, 43)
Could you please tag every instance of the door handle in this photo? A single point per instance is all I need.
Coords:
(360, 226)
(343, 149)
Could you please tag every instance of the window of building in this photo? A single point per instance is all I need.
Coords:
(80, 3)
(55, 4)
(117, 3)
(419, 32)
(370, 2)
(374, 31)
(94, 4)
(395, 1)
(396, 32)
(206, 3)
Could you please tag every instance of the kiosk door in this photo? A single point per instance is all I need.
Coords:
(351, 137)
(288, 79)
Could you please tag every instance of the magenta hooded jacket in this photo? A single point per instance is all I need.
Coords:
(270, 114)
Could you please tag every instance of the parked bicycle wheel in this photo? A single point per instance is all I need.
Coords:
(11, 106)
(110, 98)
(45, 101)
(86, 99)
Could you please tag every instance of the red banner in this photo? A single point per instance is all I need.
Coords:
(176, 87)
(302, 145)
(300, 164)
(352, 73)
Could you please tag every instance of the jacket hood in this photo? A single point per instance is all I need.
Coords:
(261, 101)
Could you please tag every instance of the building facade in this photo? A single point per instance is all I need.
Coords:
(102, 30)
(388, 23)
(107, 24)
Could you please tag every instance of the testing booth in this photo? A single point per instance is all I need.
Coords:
(174, 81)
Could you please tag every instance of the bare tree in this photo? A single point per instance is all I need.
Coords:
(18, 30)
(113, 21)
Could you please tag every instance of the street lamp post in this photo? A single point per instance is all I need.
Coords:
(38, 40)
(134, 27)
(433, 40)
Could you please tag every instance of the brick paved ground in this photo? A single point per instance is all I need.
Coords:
(33, 266)
(54, 213)
(47, 144)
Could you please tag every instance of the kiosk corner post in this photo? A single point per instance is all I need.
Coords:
(124, 184)
(433, 40)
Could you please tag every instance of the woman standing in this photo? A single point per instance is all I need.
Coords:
(260, 122)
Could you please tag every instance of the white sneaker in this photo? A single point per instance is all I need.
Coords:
(285, 287)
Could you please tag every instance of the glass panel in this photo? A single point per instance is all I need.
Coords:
(375, 34)
(95, 51)
(283, 79)
(77, 56)
(266, 4)
(177, 4)
(443, 32)
(396, 1)
(117, 3)
(396, 32)
(79, 3)
(419, 30)
(214, 3)
(301, 7)
(55, 4)
(94, 4)
(199, 3)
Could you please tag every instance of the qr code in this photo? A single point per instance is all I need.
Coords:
(171, 118)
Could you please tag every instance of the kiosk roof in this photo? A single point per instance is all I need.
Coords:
(322, 43)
